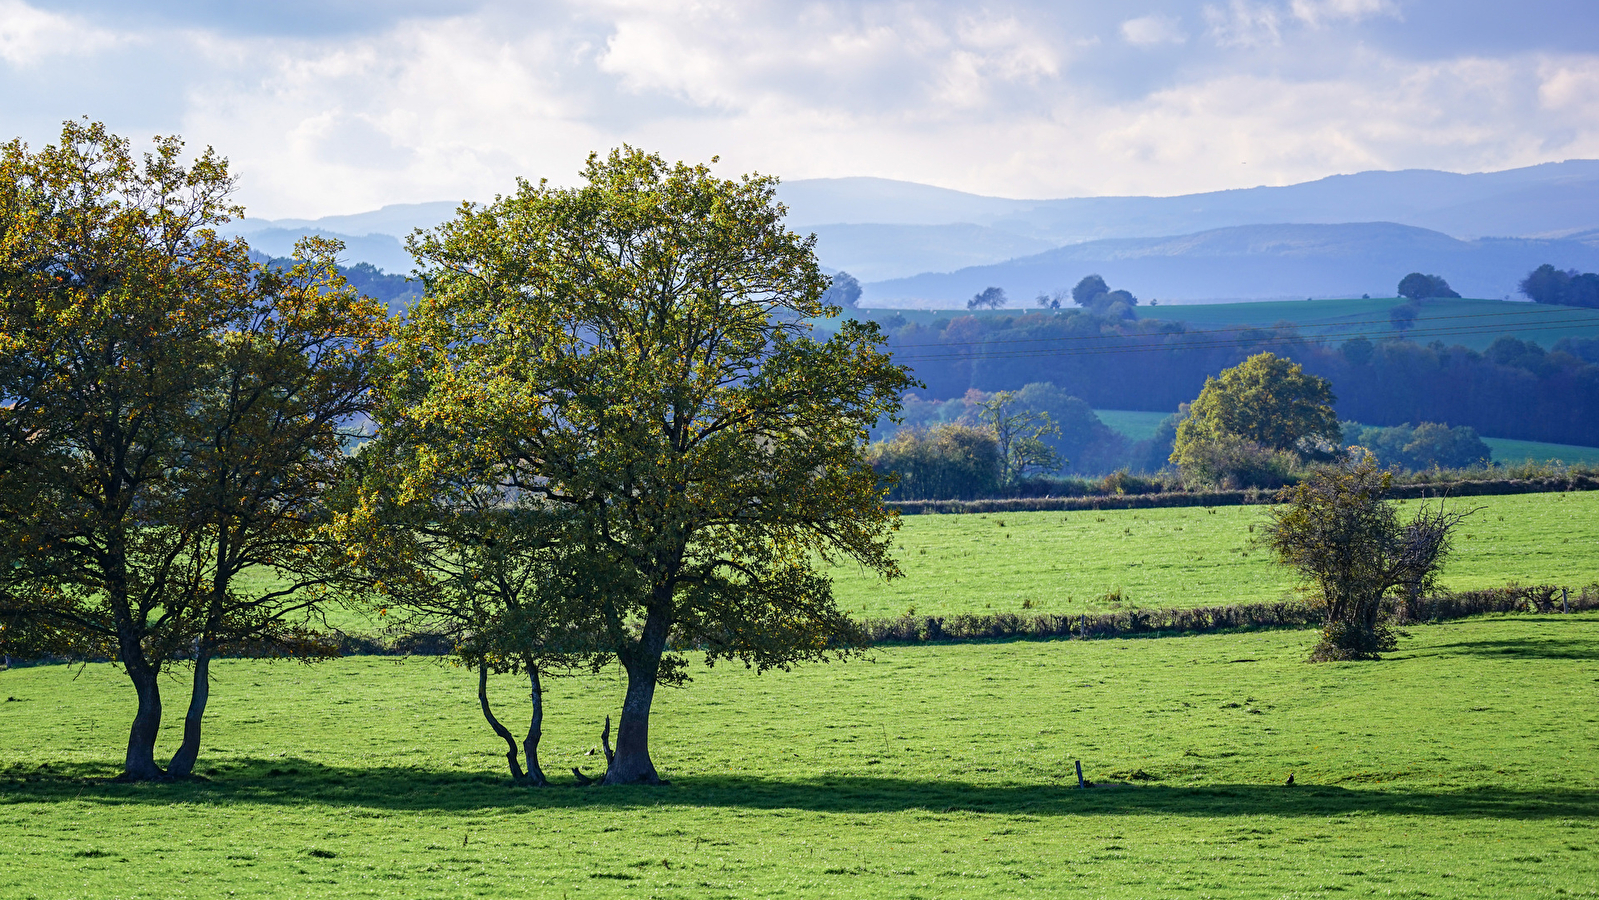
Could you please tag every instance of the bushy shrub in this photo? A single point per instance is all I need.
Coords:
(945, 462)
(1425, 446)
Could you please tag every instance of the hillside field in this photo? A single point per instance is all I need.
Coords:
(1141, 425)
(1066, 562)
(1467, 764)
(1468, 322)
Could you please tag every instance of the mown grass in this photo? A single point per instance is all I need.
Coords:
(1070, 562)
(1465, 765)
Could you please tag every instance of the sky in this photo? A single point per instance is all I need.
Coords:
(335, 106)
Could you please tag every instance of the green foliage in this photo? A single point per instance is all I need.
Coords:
(1425, 446)
(1337, 530)
(1417, 286)
(173, 414)
(1250, 423)
(797, 783)
(988, 298)
(950, 461)
(1021, 436)
(636, 353)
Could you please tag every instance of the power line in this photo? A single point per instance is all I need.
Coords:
(1584, 318)
(977, 350)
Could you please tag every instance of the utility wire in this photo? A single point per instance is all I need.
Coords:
(1583, 318)
(978, 350)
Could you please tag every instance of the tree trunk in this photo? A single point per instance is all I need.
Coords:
(504, 733)
(139, 764)
(535, 730)
(632, 764)
(182, 765)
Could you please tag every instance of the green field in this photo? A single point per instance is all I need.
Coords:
(1509, 451)
(1138, 425)
(1470, 323)
(1466, 765)
(1066, 562)
(1133, 424)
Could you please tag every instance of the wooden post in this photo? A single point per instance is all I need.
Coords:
(1080, 773)
(1082, 627)
(1565, 604)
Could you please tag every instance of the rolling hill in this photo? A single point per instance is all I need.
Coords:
(1252, 262)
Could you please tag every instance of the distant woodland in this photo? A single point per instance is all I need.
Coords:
(1515, 389)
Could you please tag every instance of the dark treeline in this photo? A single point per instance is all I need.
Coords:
(1514, 389)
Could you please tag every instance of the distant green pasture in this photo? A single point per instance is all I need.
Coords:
(1470, 323)
(1066, 562)
(1133, 424)
(1511, 451)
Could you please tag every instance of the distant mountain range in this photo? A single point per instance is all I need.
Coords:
(1252, 262)
(1347, 235)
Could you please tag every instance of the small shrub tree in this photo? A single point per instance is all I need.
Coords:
(1337, 530)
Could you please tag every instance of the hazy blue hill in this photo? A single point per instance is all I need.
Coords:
(382, 250)
(1255, 261)
(1508, 203)
(397, 219)
(873, 252)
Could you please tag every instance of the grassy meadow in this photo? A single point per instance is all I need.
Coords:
(1140, 425)
(1068, 562)
(1467, 764)
(1468, 322)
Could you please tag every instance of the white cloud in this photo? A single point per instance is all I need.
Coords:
(1015, 97)
(1151, 30)
(1318, 12)
(29, 35)
(1244, 24)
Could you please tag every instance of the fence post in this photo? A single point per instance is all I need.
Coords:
(1565, 605)
(1082, 628)
(1079, 773)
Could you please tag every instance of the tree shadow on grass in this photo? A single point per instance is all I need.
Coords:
(1562, 647)
(293, 782)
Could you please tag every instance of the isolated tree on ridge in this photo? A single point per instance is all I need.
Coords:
(1417, 286)
(989, 298)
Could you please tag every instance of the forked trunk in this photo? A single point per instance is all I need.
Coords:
(632, 764)
(535, 730)
(504, 733)
(182, 765)
(139, 764)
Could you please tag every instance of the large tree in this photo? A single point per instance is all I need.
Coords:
(1266, 404)
(1022, 435)
(158, 399)
(636, 353)
(265, 441)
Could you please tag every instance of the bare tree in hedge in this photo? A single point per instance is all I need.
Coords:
(1340, 533)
